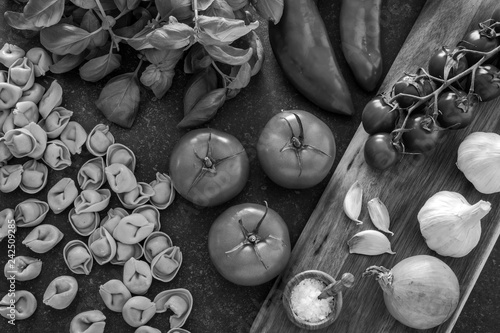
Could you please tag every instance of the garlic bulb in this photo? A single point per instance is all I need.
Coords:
(450, 225)
(479, 159)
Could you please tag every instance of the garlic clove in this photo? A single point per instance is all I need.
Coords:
(370, 243)
(353, 202)
(379, 215)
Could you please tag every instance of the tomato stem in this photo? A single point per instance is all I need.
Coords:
(296, 143)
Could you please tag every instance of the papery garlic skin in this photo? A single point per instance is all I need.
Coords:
(450, 225)
(479, 160)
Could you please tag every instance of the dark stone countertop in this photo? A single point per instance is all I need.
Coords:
(219, 306)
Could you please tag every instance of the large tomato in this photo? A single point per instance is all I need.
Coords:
(249, 244)
(208, 167)
(296, 149)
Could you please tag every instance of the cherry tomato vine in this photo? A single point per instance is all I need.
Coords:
(442, 97)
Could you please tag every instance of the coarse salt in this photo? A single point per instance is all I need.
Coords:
(305, 303)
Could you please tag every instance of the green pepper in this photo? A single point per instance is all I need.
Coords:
(303, 49)
(360, 36)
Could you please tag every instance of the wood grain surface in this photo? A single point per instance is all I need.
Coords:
(404, 189)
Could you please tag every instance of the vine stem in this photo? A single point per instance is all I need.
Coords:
(445, 84)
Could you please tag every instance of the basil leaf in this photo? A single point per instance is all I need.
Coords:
(49, 10)
(143, 16)
(166, 58)
(19, 21)
(205, 109)
(196, 59)
(97, 68)
(242, 75)
(220, 31)
(67, 63)
(173, 35)
(158, 79)
(220, 8)
(91, 23)
(65, 38)
(204, 4)
(228, 54)
(180, 9)
(37, 14)
(119, 99)
(85, 4)
(198, 86)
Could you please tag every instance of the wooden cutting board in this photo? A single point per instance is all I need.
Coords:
(404, 189)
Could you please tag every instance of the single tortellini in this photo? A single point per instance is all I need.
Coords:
(114, 294)
(118, 153)
(99, 139)
(62, 195)
(74, 137)
(9, 95)
(30, 212)
(84, 224)
(156, 243)
(24, 302)
(43, 238)
(25, 112)
(132, 229)
(28, 141)
(22, 73)
(166, 265)
(34, 177)
(164, 191)
(138, 310)
(57, 155)
(23, 268)
(92, 201)
(78, 257)
(10, 177)
(137, 276)
(120, 178)
(33, 94)
(61, 292)
(92, 321)
(179, 301)
(91, 174)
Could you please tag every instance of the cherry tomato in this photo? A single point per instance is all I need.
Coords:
(249, 244)
(423, 136)
(483, 40)
(378, 116)
(380, 152)
(208, 167)
(456, 109)
(412, 85)
(487, 82)
(444, 58)
(296, 149)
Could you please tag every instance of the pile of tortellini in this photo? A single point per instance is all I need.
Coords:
(36, 128)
